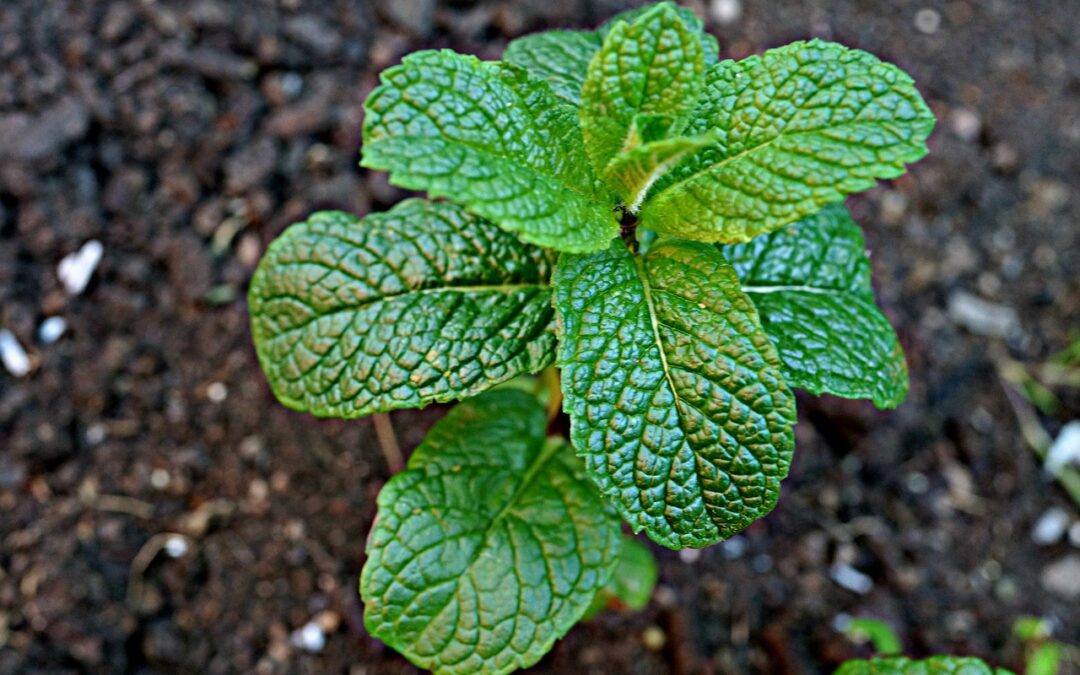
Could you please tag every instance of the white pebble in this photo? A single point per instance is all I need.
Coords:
(734, 548)
(159, 478)
(310, 638)
(76, 268)
(965, 123)
(850, 578)
(176, 546)
(217, 392)
(1065, 449)
(689, 555)
(51, 329)
(927, 21)
(983, 317)
(96, 433)
(13, 355)
(1050, 527)
(725, 11)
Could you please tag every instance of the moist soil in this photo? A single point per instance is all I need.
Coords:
(161, 513)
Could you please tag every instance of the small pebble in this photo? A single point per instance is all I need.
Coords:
(1050, 527)
(689, 555)
(653, 638)
(850, 578)
(176, 546)
(965, 123)
(310, 638)
(217, 392)
(981, 316)
(725, 12)
(76, 268)
(159, 478)
(13, 355)
(1065, 449)
(927, 21)
(1062, 577)
(95, 434)
(734, 548)
(51, 329)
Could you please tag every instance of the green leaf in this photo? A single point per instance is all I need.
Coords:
(488, 136)
(631, 174)
(632, 584)
(651, 67)
(800, 127)
(562, 57)
(422, 303)
(674, 391)
(490, 546)
(935, 665)
(811, 285)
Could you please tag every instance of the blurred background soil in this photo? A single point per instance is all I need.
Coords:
(161, 513)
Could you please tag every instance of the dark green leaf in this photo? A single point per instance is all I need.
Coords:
(811, 284)
(422, 303)
(673, 389)
(935, 665)
(490, 546)
(491, 137)
(632, 584)
(800, 127)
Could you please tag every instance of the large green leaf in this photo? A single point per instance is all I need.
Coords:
(490, 546)
(422, 303)
(811, 285)
(647, 71)
(562, 57)
(800, 127)
(491, 137)
(674, 391)
(935, 665)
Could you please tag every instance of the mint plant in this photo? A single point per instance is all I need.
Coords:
(665, 228)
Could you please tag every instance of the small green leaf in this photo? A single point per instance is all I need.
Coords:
(674, 391)
(491, 137)
(653, 67)
(631, 174)
(811, 285)
(562, 57)
(633, 581)
(935, 665)
(559, 56)
(800, 127)
(422, 303)
(490, 546)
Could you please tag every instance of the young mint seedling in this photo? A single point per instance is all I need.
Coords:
(664, 227)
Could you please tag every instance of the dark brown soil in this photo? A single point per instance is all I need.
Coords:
(185, 134)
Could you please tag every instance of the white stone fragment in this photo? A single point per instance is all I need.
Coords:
(1065, 449)
(76, 268)
(51, 329)
(1050, 527)
(927, 21)
(725, 12)
(310, 638)
(176, 546)
(983, 317)
(13, 355)
(850, 578)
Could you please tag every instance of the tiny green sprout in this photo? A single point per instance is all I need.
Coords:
(664, 227)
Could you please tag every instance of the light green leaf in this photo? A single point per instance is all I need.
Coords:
(632, 584)
(800, 127)
(631, 174)
(490, 546)
(811, 285)
(422, 303)
(562, 57)
(488, 136)
(652, 67)
(935, 665)
(674, 391)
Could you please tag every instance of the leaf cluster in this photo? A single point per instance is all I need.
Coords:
(663, 226)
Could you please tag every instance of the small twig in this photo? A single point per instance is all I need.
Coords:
(123, 504)
(388, 442)
(142, 560)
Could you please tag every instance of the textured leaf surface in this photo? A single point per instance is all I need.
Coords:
(673, 389)
(562, 57)
(935, 665)
(811, 285)
(653, 67)
(633, 582)
(488, 136)
(422, 303)
(800, 127)
(632, 173)
(490, 546)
